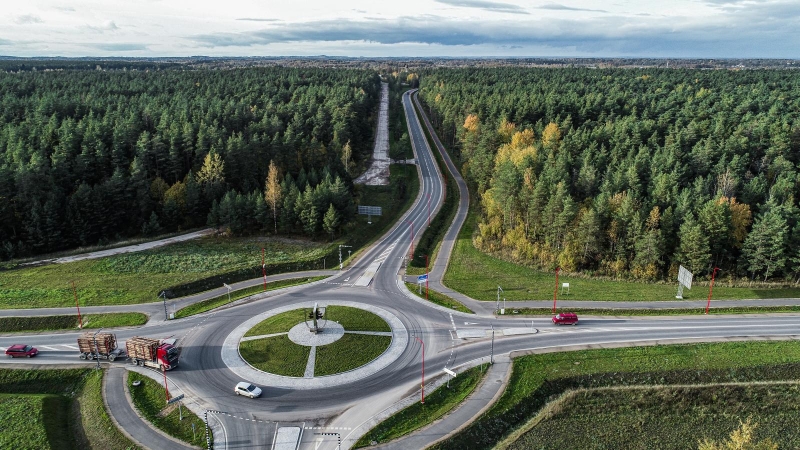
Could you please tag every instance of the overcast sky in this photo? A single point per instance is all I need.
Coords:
(650, 28)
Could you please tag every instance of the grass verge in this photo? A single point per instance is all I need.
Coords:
(33, 421)
(221, 300)
(276, 355)
(437, 404)
(279, 323)
(663, 417)
(356, 319)
(150, 399)
(477, 275)
(348, 353)
(98, 430)
(655, 312)
(536, 379)
(68, 322)
(438, 298)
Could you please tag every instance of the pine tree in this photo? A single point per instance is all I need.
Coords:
(694, 251)
(764, 249)
(330, 222)
(151, 227)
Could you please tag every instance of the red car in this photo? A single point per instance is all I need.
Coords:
(565, 319)
(21, 350)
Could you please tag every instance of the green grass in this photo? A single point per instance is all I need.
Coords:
(221, 300)
(23, 420)
(59, 409)
(68, 322)
(98, 429)
(437, 404)
(438, 298)
(356, 319)
(138, 277)
(656, 312)
(665, 417)
(537, 379)
(279, 323)
(477, 275)
(150, 399)
(349, 352)
(276, 355)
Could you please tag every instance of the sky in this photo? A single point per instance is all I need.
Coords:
(404, 28)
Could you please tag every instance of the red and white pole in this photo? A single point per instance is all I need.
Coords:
(711, 288)
(263, 268)
(426, 277)
(422, 386)
(75, 292)
(555, 291)
(429, 210)
(166, 388)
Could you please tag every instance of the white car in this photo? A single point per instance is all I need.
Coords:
(247, 389)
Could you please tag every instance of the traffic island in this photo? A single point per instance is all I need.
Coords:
(315, 344)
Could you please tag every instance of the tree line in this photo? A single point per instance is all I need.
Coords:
(629, 172)
(91, 156)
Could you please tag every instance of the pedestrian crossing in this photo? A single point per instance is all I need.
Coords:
(50, 348)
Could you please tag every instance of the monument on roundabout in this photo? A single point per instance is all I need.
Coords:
(316, 315)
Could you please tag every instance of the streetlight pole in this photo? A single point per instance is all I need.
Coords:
(264, 267)
(96, 349)
(75, 291)
(423, 369)
(555, 291)
(711, 288)
(163, 295)
(229, 291)
(497, 305)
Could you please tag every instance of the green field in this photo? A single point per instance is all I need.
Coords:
(356, 319)
(538, 379)
(138, 277)
(437, 404)
(348, 353)
(58, 409)
(216, 302)
(66, 322)
(276, 355)
(438, 298)
(150, 399)
(664, 417)
(477, 275)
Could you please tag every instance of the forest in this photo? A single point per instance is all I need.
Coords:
(629, 172)
(92, 156)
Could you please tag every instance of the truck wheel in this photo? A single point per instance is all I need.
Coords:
(112, 357)
(83, 356)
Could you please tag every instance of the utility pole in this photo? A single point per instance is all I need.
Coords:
(497, 305)
(711, 288)
(75, 291)
(163, 295)
(555, 291)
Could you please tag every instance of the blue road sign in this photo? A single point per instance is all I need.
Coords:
(422, 278)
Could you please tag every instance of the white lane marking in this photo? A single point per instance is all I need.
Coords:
(50, 348)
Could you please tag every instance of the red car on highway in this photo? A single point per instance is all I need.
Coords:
(565, 319)
(21, 350)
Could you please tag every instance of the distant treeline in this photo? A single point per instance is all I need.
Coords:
(90, 156)
(629, 172)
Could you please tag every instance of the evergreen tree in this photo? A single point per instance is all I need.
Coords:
(764, 249)
(694, 253)
(330, 222)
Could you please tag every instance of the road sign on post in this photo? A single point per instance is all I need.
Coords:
(684, 280)
(422, 278)
(175, 399)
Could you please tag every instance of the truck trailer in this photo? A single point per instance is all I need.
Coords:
(152, 353)
(99, 346)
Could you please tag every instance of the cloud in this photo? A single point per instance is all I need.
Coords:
(557, 7)
(6, 42)
(107, 26)
(118, 46)
(65, 8)
(486, 6)
(28, 19)
(257, 19)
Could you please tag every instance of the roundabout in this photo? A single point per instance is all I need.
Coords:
(278, 348)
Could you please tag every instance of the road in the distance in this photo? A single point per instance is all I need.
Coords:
(209, 383)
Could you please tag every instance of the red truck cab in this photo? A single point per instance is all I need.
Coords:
(567, 318)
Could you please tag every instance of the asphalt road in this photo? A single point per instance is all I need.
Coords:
(244, 423)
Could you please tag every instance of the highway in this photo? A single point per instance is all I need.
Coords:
(208, 382)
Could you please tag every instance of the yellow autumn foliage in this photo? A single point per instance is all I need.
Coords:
(471, 123)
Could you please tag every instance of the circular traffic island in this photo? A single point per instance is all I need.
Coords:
(291, 344)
